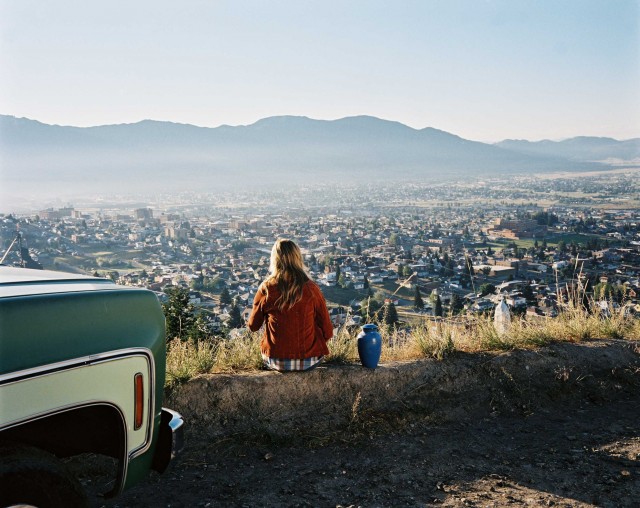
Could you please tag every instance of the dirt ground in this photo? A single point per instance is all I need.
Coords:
(576, 453)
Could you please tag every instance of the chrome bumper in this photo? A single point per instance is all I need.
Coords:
(170, 439)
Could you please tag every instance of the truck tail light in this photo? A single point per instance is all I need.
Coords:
(139, 401)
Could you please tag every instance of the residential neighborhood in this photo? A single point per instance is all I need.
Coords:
(461, 253)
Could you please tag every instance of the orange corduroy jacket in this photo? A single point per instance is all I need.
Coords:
(299, 332)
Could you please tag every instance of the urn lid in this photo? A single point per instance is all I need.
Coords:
(370, 328)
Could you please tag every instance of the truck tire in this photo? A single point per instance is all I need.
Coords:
(33, 477)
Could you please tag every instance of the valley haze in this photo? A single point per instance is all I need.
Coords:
(40, 160)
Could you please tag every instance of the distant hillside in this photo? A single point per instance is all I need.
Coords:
(162, 155)
(582, 148)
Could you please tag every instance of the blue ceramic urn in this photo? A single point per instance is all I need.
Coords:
(369, 346)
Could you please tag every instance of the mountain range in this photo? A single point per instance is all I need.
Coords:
(581, 148)
(164, 155)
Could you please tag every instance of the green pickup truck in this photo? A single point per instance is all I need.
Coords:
(82, 368)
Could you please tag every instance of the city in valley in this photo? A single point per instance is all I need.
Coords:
(431, 249)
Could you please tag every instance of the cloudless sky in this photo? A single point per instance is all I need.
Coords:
(484, 70)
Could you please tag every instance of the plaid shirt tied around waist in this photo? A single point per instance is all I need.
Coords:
(291, 364)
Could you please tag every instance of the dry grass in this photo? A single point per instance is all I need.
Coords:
(187, 359)
(430, 339)
(634, 330)
(239, 354)
(343, 348)
(434, 341)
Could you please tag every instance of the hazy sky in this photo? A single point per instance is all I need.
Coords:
(485, 70)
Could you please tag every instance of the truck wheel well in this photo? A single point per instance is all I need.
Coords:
(30, 476)
(97, 428)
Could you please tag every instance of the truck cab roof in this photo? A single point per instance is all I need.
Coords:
(15, 281)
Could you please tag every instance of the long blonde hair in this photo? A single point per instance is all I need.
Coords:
(288, 272)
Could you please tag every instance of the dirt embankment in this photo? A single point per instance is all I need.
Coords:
(463, 386)
(552, 427)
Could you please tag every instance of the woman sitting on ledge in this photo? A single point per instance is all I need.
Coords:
(297, 321)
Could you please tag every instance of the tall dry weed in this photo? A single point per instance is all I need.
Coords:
(527, 333)
(434, 340)
(238, 354)
(634, 329)
(343, 347)
(187, 359)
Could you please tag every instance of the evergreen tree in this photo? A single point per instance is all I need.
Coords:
(225, 297)
(418, 302)
(390, 314)
(468, 267)
(199, 330)
(235, 317)
(455, 304)
(527, 292)
(437, 306)
(449, 270)
(178, 312)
